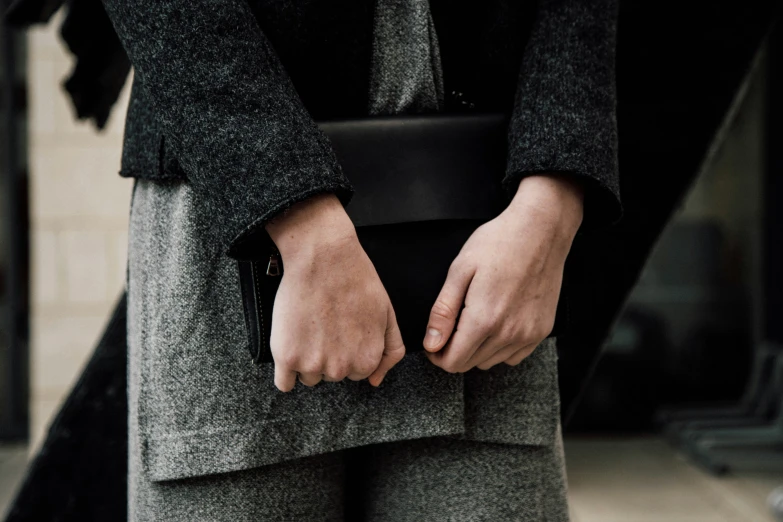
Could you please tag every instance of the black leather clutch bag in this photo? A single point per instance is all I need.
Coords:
(423, 184)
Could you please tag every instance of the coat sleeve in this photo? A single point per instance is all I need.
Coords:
(228, 108)
(564, 119)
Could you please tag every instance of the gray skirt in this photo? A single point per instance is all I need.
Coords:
(199, 407)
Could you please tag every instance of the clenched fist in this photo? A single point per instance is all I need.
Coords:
(332, 317)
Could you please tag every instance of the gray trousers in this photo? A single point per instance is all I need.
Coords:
(431, 479)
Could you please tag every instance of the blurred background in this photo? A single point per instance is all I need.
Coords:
(59, 199)
(675, 417)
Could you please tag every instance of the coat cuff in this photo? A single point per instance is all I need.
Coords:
(564, 118)
(247, 230)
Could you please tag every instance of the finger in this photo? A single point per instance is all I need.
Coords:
(357, 376)
(394, 349)
(336, 370)
(499, 356)
(285, 379)
(310, 379)
(489, 348)
(363, 369)
(521, 355)
(468, 336)
(443, 315)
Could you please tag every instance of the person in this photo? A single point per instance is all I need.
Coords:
(222, 139)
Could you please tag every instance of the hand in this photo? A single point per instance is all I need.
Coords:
(332, 317)
(508, 275)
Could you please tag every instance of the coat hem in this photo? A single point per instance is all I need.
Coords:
(176, 457)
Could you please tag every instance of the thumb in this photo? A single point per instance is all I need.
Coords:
(394, 349)
(443, 316)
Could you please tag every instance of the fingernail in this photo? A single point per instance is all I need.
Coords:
(432, 338)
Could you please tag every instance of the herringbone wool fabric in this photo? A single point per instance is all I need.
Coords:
(198, 406)
(436, 479)
(406, 75)
(211, 438)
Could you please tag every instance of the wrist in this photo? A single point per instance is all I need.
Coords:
(310, 224)
(555, 198)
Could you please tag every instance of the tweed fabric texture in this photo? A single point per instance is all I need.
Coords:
(564, 118)
(406, 74)
(227, 109)
(197, 405)
(434, 479)
(225, 93)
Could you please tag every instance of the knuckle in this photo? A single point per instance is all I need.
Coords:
(396, 352)
(338, 371)
(507, 333)
(535, 330)
(361, 373)
(484, 323)
(289, 359)
(314, 366)
(504, 337)
(364, 367)
(442, 310)
(398, 356)
(367, 361)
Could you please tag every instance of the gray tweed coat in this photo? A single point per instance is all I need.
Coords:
(216, 122)
(225, 94)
